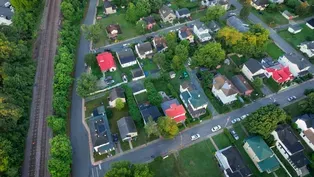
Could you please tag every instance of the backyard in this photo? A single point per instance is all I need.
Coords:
(272, 19)
(195, 161)
(295, 39)
(273, 50)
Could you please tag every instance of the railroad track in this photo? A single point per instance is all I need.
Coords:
(37, 147)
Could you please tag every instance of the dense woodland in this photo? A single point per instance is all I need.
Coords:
(17, 71)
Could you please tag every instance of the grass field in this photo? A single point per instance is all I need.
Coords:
(195, 161)
(271, 19)
(148, 65)
(221, 141)
(273, 50)
(127, 28)
(295, 39)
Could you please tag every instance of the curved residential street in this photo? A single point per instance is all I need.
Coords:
(82, 166)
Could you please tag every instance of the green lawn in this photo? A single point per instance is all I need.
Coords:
(128, 29)
(116, 115)
(195, 161)
(222, 141)
(273, 50)
(148, 65)
(116, 76)
(293, 109)
(198, 14)
(271, 19)
(295, 39)
(238, 60)
(91, 105)
(228, 70)
(272, 84)
(141, 98)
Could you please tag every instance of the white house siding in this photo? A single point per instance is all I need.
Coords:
(113, 103)
(294, 69)
(223, 98)
(307, 24)
(305, 50)
(293, 31)
(128, 64)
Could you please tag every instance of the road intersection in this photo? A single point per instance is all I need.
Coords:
(82, 166)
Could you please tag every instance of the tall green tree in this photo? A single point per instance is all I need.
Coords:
(126, 169)
(155, 5)
(258, 82)
(265, 120)
(182, 51)
(86, 84)
(152, 94)
(168, 128)
(172, 40)
(307, 105)
(177, 63)
(57, 124)
(209, 55)
(151, 127)
(214, 12)
(120, 104)
(143, 8)
(131, 13)
(92, 32)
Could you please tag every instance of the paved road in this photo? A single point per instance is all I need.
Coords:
(81, 155)
(159, 147)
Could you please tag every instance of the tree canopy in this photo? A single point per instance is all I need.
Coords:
(214, 12)
(265, 120)
(167, 127)
(307, 105)
(151, 127)
(152, 94)
(86, 84)
(126, 169)
(120, 104)
(209, 55)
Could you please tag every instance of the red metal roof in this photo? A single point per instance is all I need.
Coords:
(281, 74)
(105, 61)
(176, 112)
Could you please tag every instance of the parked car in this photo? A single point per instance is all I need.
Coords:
(195, 137)
(231, 14)
(216, 128)
(292, 98)
(108, 78)
(238, 119)
(234, 134)
(115, 137)
(110, 82)
(244, 116)
(199, 76)
(233, 121)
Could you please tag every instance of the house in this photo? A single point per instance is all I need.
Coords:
(276, 1)
(137, 74)
(298, 66)
(224, 89)
(253, 69)
(224, 4)
(192, 100)
(106, 62)
(277, 71)
(291, 149)
(288, 15)
(6, 12)
(174, 110)
(144, 50)
(137, 87)
(150, 111)
(115, 94)
(109, 8)
(160, 44)
(308, 48)
(172, 74)
(209, 3)
(100, 132)
(261, 155)
(167, 14)
(310, 23)
(294, 29)
(183, 13)
(259, 4)
(126, 57)
(235, 22)
(149, 22)
(127, 128)
(185, 33)
(213, 26)
(305, 122)
(232, 163)
(242, 85)
(113, 30)
(202, 32)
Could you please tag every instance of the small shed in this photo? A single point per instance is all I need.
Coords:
(172, 74)
(294, 29)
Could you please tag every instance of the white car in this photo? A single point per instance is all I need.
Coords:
(195, 137)
(244, 116)
(233, 121)
(292, 98)
(216, 128)
(238, 119)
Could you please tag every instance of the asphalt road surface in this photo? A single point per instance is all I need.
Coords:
(160, 147)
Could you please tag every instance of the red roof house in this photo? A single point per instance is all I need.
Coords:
(106, 62)
(176, 112)
(280, 74)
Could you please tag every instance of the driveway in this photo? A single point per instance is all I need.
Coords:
(143, 154)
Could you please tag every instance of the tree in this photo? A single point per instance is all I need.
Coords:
(292, 3)
(140, 27)
(229, 35)
(155, 5)
(302, 9)
(177, 63)
(90, 59)
(131, 13)
(160, 59)
(209, 55)
(171, 39)
(167, 127)
(119, 104)
(265, 120)
(245, 11)
(273, 7)
(258, 82)
(120, 3)
(133, 109)
(86, 84)
(151, 127)
(182, 52)
(143, 8)
(57, 168)
(142, 170)
(126, 169)
(215, 12)
(307, 105)
(153, 96)
(92, 32)
(56, 124)
(61, 148)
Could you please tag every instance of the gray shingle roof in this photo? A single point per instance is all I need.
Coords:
(126, 125)
(295, 27)
(165, 11)
(116, 93)
(213, 26)
(253, 65)
(144, 47)
(294, 58)
(237, 24)
(183, 11)
(241, 84)
(126, 56)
